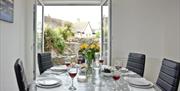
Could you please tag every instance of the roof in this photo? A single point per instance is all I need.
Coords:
(80, 27)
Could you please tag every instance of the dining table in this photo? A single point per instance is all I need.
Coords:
(93, 82)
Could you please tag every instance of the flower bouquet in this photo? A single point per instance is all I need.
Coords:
(88, 51)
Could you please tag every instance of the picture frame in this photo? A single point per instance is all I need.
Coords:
(7, 10)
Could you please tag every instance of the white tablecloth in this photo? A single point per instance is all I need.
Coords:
(104, 84)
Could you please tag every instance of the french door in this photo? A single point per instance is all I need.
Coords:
(106, 31)
(38, 32)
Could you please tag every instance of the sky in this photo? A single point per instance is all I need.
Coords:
(73, 13)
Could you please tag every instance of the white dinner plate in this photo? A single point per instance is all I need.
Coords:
(51, 86)
(48, 81)
(129, 73)
(138, 81)
(143, 87)
(59, 68)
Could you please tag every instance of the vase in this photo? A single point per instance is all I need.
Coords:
(89, 56)
(89, 67)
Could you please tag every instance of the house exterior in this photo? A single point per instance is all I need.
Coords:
(83, 30)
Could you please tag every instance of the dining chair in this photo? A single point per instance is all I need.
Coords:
(81, 59)
(44, 61)
(20, 76)
(136, 63)
(169, 76)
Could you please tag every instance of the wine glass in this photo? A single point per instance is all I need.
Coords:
(101, 61)
(118, 64)
(72, 73)
(116, 77)
(67, 63)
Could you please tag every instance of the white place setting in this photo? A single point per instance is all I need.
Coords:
(48, 82)
(106, 82)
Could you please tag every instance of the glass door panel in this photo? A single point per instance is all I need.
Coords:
(38, 30)
(106, 31)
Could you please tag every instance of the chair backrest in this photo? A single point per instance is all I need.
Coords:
(44, 61)
(169, 75)
(20, 75)
(81, 59)
(136, 63)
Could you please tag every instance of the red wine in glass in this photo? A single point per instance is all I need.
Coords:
(72, 75)
(101, 61)
(79, 61)
(67, 63)
(116, 77)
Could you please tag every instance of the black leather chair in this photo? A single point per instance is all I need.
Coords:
(169, 75)
(136, 63)
(44, 61)
(20, 76)
(81, 59)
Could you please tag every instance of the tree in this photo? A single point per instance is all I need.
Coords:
(98, 34)
(66, 31)
(48, 39)
(53, 41)
(55, 38)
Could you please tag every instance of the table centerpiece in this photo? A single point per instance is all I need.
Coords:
(88, 51)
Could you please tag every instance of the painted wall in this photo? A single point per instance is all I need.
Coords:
(172, 31)
(29, 38)
(146, 26)
(12, 46)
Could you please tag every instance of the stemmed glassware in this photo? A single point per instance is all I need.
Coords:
(101, 61)
(116, 77)
(118, 64)
(67, 63)
(72, 73)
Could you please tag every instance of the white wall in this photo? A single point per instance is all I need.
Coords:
(29, 40)
(172, 31)
(12, 46)
(146, 26)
